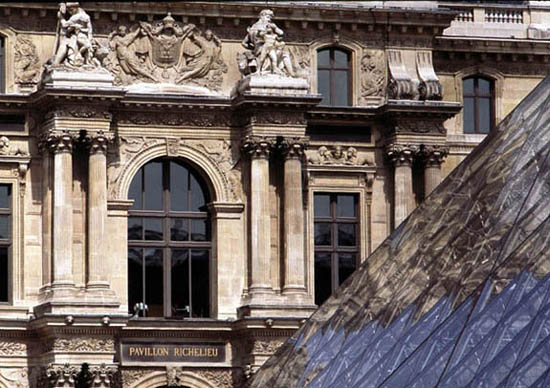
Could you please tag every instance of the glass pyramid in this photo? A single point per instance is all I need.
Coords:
(459, 294)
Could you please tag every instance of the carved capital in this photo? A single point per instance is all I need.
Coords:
(97, 142)
(59, 141)
(293, 148)
(257, 147)
(434, 155)
(60, 375)
(401, 155)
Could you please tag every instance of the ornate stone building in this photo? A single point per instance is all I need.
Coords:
(181, 184)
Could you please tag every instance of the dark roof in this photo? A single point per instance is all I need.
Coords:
(459, 294)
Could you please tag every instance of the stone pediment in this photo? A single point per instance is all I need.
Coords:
(166, 55)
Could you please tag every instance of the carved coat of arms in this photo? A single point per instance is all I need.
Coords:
(166, 51)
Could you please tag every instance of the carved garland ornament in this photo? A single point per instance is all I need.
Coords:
(166, 51)
(12, 348)
(86, 345)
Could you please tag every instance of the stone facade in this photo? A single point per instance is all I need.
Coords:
(231, 90)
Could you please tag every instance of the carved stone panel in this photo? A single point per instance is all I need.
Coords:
(26, 61)
(166, 51)
(373, 75)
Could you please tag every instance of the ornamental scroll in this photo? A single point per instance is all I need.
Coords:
(166, 51)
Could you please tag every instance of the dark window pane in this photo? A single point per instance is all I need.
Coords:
(346, 266)
(4, 274)
(323, 58)
(341, 96)
(341, 59)
(180, 282)
(484, 87)
(153, 186)
(468, 115)
(4, 226)
(322, 233)
(323, 283)
(135, 228)
(346, 235)
(5, 195)
(153, 229)
(484, 115)
(322, 205)
(179, 229)
(345, 205)
(468, 86)
(199, 230)
(135, 278)
(179, 190)
(197, 196)
(323, 85)
(135, 191)
(199, 284)
(154, 282)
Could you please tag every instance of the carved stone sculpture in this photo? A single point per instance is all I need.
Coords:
(268, 54)
(339, 156)
(372, 75)
(27, 65)
(73, 46)
(166, 52)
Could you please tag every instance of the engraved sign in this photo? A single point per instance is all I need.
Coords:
(172, 352)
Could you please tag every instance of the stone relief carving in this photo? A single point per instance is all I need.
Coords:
(301, 58)
(26, 61)
(372, 74)
(81, 345)
(130, 376)
(16, 377)
(415, 126)
(339, 156)
(59, 376)
(79, 112)
(266, 52)
(203, 119)
(166, 52)
(12, 348)
(266, 347)
(401, 154)
(222, 378)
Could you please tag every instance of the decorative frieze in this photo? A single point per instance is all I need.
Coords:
(190, 118)
(266, 347)
(338, 155)
(79, 112)
(12, 348)
(80, 344)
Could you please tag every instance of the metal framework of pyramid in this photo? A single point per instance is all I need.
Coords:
(459, 294)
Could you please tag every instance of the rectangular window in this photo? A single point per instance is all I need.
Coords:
(336, 236)
(5, 241)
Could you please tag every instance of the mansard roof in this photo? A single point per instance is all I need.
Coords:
(459, 293)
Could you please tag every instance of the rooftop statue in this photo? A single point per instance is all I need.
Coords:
(267, 52)
(73, 44)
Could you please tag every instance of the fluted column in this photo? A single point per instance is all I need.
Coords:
(97, 209)
(260, 229)
(433, 158)
(61, 145)
(294, 265)
(404, 203)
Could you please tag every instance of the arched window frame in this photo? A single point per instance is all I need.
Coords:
(351, 69)
(167, 245)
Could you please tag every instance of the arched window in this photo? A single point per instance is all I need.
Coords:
(334, 76)
(479, 104)
(169, 241)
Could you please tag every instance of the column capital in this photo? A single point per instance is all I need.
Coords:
(434, 155)
(58, 141)
(97, 141)
(293, 148)
(257, 147)
(401, 154)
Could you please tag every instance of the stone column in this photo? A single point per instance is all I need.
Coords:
(404, 203)
(61, 145)
(294, 259)
(260, 230)
(433, 157)
(97, 210)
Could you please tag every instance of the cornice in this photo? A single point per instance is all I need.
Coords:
(492, 45)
